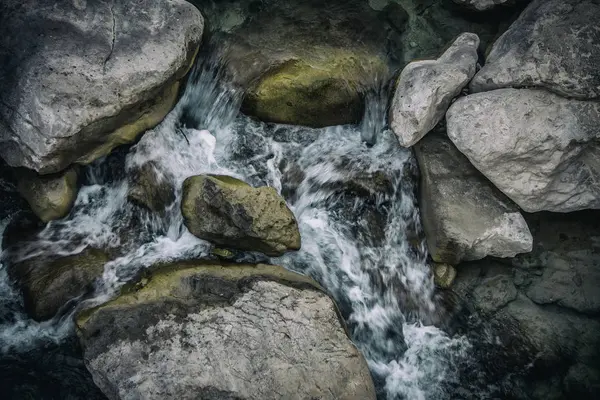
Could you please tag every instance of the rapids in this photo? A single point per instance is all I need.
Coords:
(351, 188)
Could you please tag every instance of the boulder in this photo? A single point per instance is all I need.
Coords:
(81, 78)
(194, 330)
(464, 216)
(231, 213)
(426, 88)
(49, 196)
(49, 282)
(555, 44)
(319, 92)
(563, 268)
(540, 149)
(485, 5)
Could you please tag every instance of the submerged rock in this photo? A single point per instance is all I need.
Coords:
(426, 88)
(229, 212)
(149, 188)
(80, 78)
(222, 331)
(49, 196)
(555, 44)
(464, 216)
(49, 282)
(538, 148)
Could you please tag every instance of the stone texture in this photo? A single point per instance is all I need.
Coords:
(485, 5)
(222, 332)
(538, 148)
(80, 78)
(464, 216)
(555, 44)
(49, 196)
(426, 88)
(443, 275)
(319, 92)
(49, 282)
(229, 212)
(564, 266)
(149, 188)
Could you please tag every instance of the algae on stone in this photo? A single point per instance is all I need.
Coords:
(320, 91)
(51, 196)
(231, 213)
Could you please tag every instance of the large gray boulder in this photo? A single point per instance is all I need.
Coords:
(196, 331)
(464, 216)
(426, 88)
(554, 44)
(231, 213)
(540, 149)
(79, 78)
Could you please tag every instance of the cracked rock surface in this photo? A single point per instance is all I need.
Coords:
(82, 77)
(223, 332)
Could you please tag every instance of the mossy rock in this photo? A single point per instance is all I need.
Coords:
(443, 275)
(48, 284)
(318, 92)
(49, 196)
(228, 212)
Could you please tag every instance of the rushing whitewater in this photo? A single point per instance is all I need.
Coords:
(351, 189)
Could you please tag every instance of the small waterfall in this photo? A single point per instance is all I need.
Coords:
(354, 202)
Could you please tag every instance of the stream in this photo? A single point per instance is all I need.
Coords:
(352, 190)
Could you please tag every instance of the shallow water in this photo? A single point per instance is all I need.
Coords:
(351, 188)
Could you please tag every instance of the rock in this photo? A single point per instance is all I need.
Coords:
(48, 283)
(307, 63)
(464, 216)
(316, 93)
(540, 149)
(484, 5)
(229, 212)
(564, 266)
(529, 54)
(443, 275)
(81, 78)
(149, 187)
(426, 88)
(396, 15)
(222, 331)
(49, 196)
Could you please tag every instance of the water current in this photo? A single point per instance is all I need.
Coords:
(351, 188)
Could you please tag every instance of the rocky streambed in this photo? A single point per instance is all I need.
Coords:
(278, 200)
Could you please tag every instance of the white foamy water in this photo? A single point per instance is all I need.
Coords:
(354, 204)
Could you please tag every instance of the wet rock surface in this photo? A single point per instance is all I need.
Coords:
(464, 216)
(222, 332)
(229, 212)
(547, 331)
(49, 196)
(49, 283)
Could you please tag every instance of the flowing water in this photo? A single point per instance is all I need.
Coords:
(351, 189)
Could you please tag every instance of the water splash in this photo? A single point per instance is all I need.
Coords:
(354, 203)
